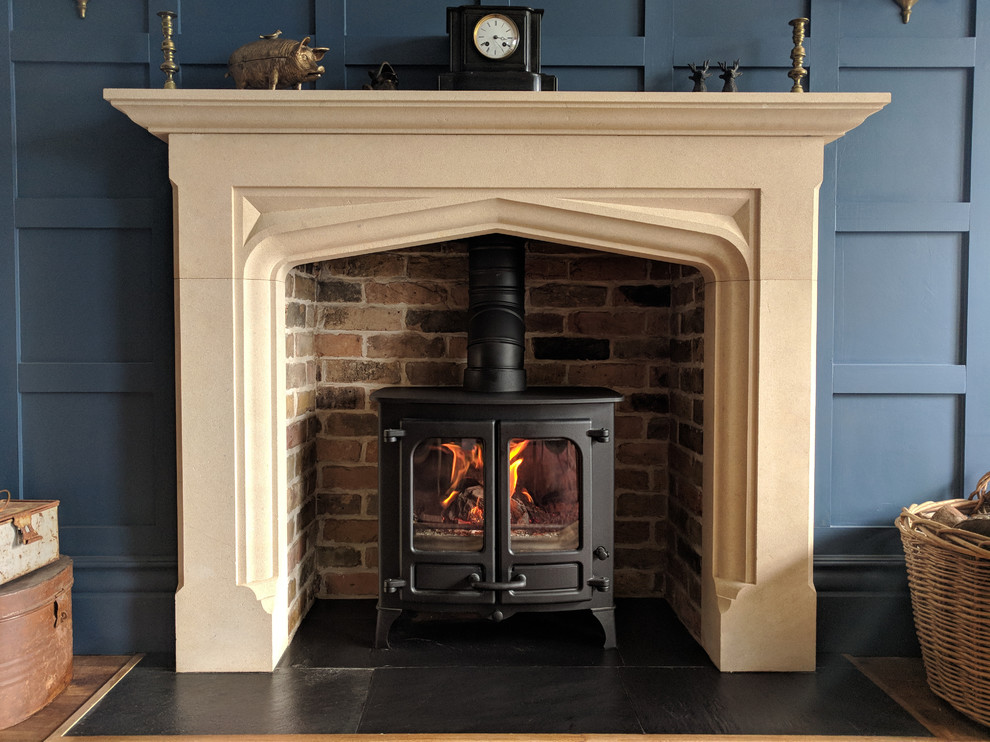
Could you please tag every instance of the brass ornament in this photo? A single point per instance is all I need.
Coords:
(81, 7)
(797, 71)
(906, 6)
(273, 62)
(169, 67)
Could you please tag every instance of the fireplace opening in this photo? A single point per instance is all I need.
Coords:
(355, 325)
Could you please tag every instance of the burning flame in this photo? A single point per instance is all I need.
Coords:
(465, 461)
(515, 461)
(461, 463)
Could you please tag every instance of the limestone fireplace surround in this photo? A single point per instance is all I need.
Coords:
(727, 183)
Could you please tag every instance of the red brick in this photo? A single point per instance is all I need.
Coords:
(303, 344)
(544, 322)
(335, 504)
(350, 477)
(363, 317)
(297, 375)
(344, 371)
(630, 583)
(628, 375)
(639, 558)
(628, 427)
(406, 345)
(350, 424)
(458, 295)
(628, 532)
(457, 346)
(341, 450)
(380, 265)
(405, 292)
(303, 286)
(567, 295)
(295, 434)
(338, 345)
(439, 266)
(371, 506)
(609, 267)
(644, 348)
(545, 266)
(341, 398)
(295, 314)
(340, 531)
(610, 323)
(632, 505)
(647, 453)
(631, 479)
(338, 556)
(545, 374)
(352, 584)
(427, 373)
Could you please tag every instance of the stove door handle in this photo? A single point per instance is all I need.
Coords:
(514, 584)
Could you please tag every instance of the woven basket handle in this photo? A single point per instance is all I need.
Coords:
(981, 494)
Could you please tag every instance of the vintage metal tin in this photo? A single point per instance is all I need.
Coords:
(28, 537)
(36, 646)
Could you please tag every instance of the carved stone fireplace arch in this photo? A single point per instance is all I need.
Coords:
(265, 180)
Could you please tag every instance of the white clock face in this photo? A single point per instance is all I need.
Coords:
(496, 36)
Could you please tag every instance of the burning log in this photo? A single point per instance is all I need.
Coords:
(465, 506)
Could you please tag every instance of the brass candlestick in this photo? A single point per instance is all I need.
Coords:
(906, 6)
(169, 67)
(798, 71)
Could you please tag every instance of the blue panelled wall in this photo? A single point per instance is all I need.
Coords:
(86, 356)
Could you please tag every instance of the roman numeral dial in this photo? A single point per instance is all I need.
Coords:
(496, 36)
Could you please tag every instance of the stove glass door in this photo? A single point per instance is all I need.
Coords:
(545, 533)
(448, 494)
(544, 495)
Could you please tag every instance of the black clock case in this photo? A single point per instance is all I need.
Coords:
(471, 70)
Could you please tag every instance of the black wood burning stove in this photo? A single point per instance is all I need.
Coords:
(495, 498)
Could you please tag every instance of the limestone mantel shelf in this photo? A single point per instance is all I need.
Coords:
(165, 112)
(728, 183)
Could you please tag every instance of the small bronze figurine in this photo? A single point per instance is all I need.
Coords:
(271, 63)
(699, 77)
(382, 79)
(729, 74)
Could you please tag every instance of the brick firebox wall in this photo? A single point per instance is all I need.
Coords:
(399, 318)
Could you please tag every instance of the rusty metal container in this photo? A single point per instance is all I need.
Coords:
(28, 536)
(35, 640)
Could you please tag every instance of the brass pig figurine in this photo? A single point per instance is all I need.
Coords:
(271, 63)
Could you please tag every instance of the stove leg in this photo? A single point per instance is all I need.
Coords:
(386, 617)
(606, 617)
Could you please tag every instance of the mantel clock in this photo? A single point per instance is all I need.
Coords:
(495, 47)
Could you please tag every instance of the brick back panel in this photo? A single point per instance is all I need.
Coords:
(302, 429)
(398, 318)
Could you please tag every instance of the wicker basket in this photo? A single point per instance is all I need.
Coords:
(949, 575)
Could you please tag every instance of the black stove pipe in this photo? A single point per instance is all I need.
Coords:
(496, 314)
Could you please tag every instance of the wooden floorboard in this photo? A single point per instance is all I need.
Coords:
(903, 679)
(89, 675)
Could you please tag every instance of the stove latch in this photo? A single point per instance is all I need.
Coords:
(600, 435)
(393, 584)
(601, 584)
(392, 435)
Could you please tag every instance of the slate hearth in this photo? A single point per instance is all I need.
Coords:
(533, 673)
